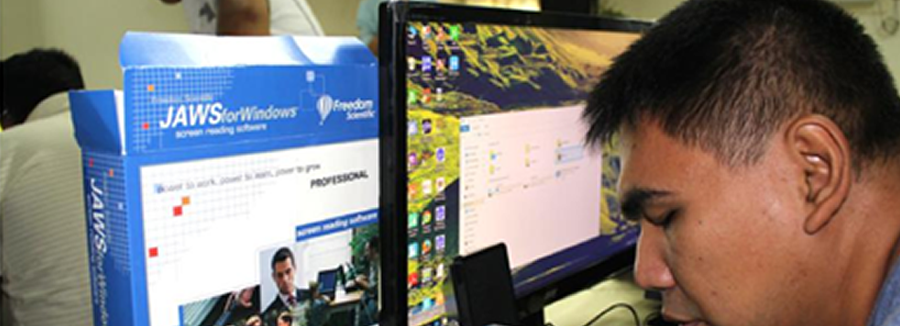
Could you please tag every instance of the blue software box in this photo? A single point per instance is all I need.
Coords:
(233, 181)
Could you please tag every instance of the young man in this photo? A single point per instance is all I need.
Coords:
(761, 153)
(289, 296)
(367, 309)
(43, 237)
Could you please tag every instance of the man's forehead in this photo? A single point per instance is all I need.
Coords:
(653, 159)
(640, 133)
(284, 264)
(644, 141)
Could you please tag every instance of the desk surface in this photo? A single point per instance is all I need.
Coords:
(347, 298)
(579, 308)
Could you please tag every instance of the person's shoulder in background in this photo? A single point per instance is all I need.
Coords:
(293, 17)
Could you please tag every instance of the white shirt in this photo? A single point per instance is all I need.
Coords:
(42, 222)
(286, 299)
(287, 17)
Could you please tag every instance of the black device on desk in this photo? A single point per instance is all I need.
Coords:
(481, 142)
(483, 286)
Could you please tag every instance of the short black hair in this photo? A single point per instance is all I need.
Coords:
(31, 77)
(725, 74)
(374, 243)
(283, 254)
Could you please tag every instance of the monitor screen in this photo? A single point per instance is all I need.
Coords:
(494, 151)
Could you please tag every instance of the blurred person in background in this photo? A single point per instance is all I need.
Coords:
(43, 242)
(250, 17)
(367, 22)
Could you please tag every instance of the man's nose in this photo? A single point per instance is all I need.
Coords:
(651, 271)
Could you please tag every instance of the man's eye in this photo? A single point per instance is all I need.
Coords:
(665, 220)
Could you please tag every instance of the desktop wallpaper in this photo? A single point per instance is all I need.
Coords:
(459, 70)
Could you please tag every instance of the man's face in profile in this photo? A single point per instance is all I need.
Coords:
(721, 243)
(284, 276)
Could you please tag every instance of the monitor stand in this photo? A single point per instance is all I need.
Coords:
(533, 319)
(579, 308)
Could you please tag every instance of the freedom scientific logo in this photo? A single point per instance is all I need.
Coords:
(353, 110)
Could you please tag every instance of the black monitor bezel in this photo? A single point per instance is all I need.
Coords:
(393, 17)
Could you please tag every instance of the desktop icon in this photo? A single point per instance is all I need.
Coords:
(441, 34)
(413, 250)
(440, 271)
(426, 126)
(440, 242)
(425, 156)
(426, 187)
(439, 94)
(454, 33)
(426, 63)
(440, 213)
(412, 32)
(441, 65)
(412, 280)
(426, 217)
(427, 274)
(454, 63)
(441, 155)
(413, 161)
(411, 63)
(411, 192)
(440, 184)
(413, 220)
(426, 247)
(412, 127)
(426, 95)
(426, 31)
(411, 97)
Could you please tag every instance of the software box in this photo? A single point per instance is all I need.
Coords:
(217, 154)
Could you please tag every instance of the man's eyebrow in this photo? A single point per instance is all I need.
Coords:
(635, 199)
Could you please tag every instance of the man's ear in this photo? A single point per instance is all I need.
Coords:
(822, 151)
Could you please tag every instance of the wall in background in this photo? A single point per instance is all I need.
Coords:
(91, 29)
(870, 15)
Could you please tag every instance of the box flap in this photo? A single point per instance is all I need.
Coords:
(97, 120)
(335, 50)
(187, 92)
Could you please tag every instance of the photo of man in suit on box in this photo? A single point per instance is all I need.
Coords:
(289, 296)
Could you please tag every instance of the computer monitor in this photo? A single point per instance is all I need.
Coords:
(328, 280)
(482, 142)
